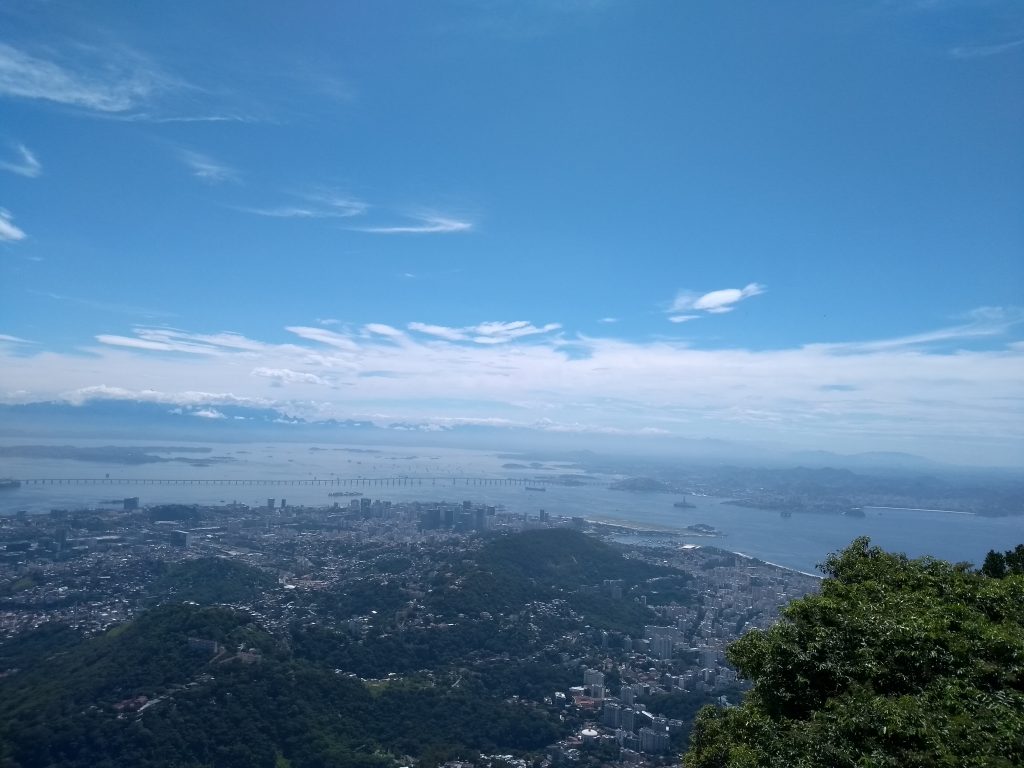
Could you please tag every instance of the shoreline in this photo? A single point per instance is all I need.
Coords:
(923, 509)
(676, 532)
(776, 565)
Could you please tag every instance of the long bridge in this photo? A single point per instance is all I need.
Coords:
(340, 482)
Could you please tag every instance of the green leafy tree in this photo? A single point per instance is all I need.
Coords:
(994, 565)
(896, 662)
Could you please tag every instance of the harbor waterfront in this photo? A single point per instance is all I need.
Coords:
(307, 474)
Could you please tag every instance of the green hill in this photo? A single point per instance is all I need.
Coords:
(77, 706)
(212, 580)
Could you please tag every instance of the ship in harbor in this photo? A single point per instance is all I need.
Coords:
(684, 504)
(535, 488)
(8, 484)
(344, 493)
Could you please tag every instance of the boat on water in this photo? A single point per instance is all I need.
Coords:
(535, 488)
(345, 493)
(684, 504)
(9, 484)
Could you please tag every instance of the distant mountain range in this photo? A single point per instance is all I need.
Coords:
(126, 419)
(893, 460)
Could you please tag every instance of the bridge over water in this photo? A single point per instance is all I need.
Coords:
(337, 482)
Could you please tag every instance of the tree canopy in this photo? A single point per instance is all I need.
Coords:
(896, 662)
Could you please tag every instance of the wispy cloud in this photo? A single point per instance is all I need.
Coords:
(322, 204)
(106, 81)
(323, 336)
(172, 340)
(608, 320)
(6, 338)
(8, 231)
(145, 117)
(427, 224)
(186, 398)
(983, 51)
(440, 331)
(983, 322)
(387, 331)
(687, 303)
(206, 168)
(485, 333)
(26, 164)
(497, 332)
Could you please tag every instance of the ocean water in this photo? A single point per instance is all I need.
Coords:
(799, 542)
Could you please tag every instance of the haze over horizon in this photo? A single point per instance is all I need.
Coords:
(797, 224)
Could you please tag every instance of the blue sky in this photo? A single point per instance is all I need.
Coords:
(798, 222)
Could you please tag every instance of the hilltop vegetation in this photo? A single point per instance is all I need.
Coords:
(77, 705)
(896, 663)
(212, 580)
(463, 637)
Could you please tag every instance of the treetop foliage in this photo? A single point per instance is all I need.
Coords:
(896, 662)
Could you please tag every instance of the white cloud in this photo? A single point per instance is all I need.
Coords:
(441, 331)
(323, 336)
(714, 302)
(8, 339)
(428, 224)
(682, 318)
(132, 342)
(984, 51)
(320, 204)
(171, 340)
(27, 164)
(106, 81)
(380, 329)
(8, 231)
(608, 320)
(497, 332)
(934, 391)
(206, 168)
(983, 322)
(187, 398)
(208, 413)
(288, 376)
(485, 333)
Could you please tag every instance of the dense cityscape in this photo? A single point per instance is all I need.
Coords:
(372, 571)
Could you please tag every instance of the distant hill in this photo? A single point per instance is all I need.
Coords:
(141, 695)
(516, 569)
(212, 580)
(642, 484)
(875, 460)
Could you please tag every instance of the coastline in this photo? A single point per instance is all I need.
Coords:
(626, 526)
(776, 565)
(922, 509)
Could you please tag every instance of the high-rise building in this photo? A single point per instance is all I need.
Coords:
(653, 742)
(662, 647)
(627, 718)
(612, 714)
(593, 677)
